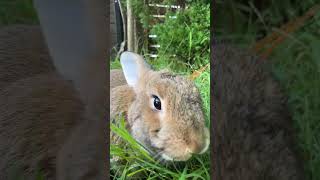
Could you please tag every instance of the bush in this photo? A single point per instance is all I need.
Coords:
(185, 40)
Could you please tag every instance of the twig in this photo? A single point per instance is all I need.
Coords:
(121, 49)
(277, 38)
(197, 73)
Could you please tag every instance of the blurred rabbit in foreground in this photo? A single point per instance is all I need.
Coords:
(46, 126)
(253, 135)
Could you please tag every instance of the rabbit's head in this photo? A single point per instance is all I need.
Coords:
(166, 114)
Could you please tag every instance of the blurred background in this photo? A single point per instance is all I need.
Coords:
(287, 34)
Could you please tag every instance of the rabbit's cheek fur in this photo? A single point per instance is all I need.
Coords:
(182, 132)
(138, 130)
(142, 120)
(180, 145)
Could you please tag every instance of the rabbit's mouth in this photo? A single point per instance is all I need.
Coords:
(167, 160)
(180, 159)
(161, 156)
(166, 157)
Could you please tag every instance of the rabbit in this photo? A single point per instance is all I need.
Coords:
(44, 123)
(253, 133)
(17, 45)
(163, 111)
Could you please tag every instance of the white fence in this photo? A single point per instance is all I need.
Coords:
(153, 37)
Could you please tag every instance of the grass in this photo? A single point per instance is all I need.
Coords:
(17, 12)
(138, 163)
(115, 64)
(297, 66)
(295, 63)
(136, 159)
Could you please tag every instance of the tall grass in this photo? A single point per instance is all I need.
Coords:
(137, 163)
(297, 66)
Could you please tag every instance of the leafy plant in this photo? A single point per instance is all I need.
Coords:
(184, 41)
(17, 12)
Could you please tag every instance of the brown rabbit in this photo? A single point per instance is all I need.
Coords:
(18, 44)
(44, 124)
(163, 111)
(253, 133)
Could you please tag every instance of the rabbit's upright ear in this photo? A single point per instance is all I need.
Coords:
(133, 66)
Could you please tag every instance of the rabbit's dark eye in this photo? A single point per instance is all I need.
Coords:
(156, 131)
(156, 102)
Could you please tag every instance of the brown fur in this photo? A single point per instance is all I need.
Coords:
(18, 59)
(43, 122)
(116, 78)
(182, 125)
(254, 134)
(35, 122)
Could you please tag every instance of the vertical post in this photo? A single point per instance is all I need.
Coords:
(130, 26)
(135, 35)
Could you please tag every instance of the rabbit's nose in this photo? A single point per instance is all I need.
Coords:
(206, 146)
(206, 141)
(194, 148)
(200, 146)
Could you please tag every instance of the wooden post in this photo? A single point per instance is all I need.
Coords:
(135, 35)
(130, 26)
(124, 22)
